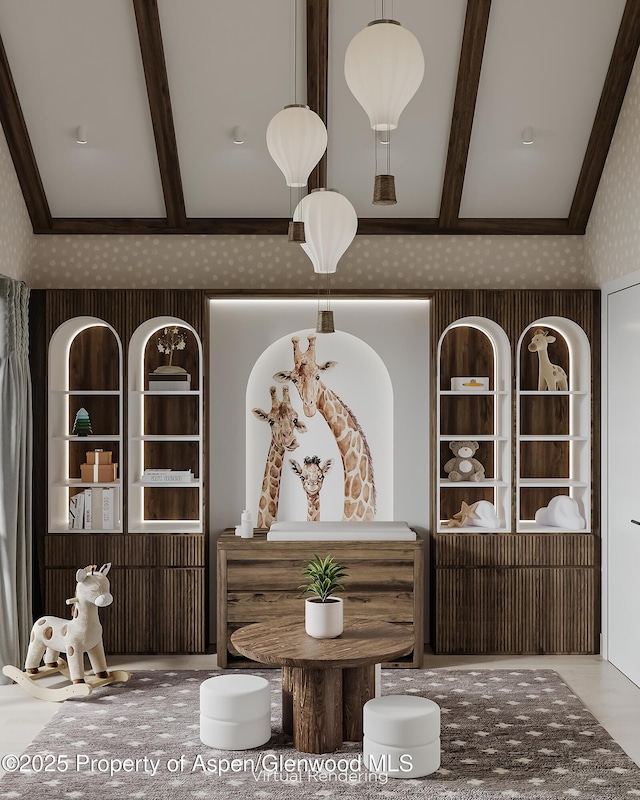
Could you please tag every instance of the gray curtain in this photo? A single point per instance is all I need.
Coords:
(15, 474)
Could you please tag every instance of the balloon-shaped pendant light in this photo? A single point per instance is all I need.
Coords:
(384, 67)
(330, 223)
(296, 140)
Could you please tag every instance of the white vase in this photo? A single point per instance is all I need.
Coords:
(323, 620)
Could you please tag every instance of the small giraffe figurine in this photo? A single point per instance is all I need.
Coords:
(312, 475)
(284, 423)
(359, 484)
(550, 374)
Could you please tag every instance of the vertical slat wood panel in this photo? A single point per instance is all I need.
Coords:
(519, 592)
(159, 579)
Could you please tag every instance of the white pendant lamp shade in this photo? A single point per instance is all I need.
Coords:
(296, 140)
(330, 224)
(384, 67)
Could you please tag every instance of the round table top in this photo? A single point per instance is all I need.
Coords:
(286, 644)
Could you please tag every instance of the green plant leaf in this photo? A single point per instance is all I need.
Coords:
(324, 575)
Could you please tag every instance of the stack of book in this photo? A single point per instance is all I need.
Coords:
(93, 509)
(167, 476)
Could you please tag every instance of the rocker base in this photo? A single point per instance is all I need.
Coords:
(57, 695)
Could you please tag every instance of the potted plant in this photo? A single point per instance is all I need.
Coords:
(323, 617)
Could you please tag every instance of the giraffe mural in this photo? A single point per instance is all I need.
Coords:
(359, 485)
(284, 423)
(312, 474)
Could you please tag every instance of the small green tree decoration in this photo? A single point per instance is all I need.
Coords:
(170, 340)
(82, 423)
(324, 575)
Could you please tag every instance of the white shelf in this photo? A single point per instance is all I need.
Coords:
(61, 444)
(171, 484)
(88, 392)
(473, 392)
(546, 393)
(530, 526)
(85, 530)
(181, 392)
(449, 437)
(497, 454)
(78, 482)
(167, 526)
(445, 483)
(142, 340)
(163, 438)
(108, 437)
(552, 483)
(471, 529)
(552, 437)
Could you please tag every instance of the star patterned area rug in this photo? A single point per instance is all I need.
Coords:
(505, 734)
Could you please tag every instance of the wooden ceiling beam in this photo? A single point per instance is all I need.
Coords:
(277, 226)
(318, 75)
(155, 74)
(19, 143)
(144, 225)
(615, 86)
(473, 40)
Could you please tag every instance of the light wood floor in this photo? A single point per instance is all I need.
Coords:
(611, 697)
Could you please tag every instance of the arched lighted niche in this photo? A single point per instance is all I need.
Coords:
(85, 371)
(474, 348)
(553, 425)
(350, 425)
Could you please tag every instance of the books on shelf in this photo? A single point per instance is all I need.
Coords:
(167, 476)
(93, 509)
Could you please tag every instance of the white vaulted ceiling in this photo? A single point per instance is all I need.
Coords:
(160, 84)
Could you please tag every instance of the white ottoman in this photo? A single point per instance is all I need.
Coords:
(235, 712)
(401, 736)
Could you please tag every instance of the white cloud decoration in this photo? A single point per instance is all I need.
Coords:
(562, 512)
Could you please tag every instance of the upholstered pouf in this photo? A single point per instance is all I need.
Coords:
(401, 736)
(235, 712)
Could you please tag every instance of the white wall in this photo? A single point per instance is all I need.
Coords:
(240, 330)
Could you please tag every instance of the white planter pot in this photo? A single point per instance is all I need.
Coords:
(323, 620)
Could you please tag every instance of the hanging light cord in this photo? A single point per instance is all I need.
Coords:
(327, 291)
(295, 51)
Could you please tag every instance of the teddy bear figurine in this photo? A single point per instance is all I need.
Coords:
(464, 467)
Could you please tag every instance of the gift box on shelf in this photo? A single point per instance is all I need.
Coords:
(99, 457)
(98, 473)
(169, 382)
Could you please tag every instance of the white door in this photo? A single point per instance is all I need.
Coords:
(623, 483)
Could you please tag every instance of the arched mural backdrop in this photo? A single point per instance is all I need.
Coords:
(319, 431)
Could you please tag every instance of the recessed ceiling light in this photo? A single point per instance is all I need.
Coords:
(238, 135)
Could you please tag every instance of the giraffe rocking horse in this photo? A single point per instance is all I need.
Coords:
(81, 634)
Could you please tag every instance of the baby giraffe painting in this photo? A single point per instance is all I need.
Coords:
(312, 474)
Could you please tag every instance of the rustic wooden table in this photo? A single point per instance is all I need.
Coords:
(325, 682)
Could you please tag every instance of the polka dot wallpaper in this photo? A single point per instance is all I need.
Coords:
(16, 238)
(612, 241)
(271, 262)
